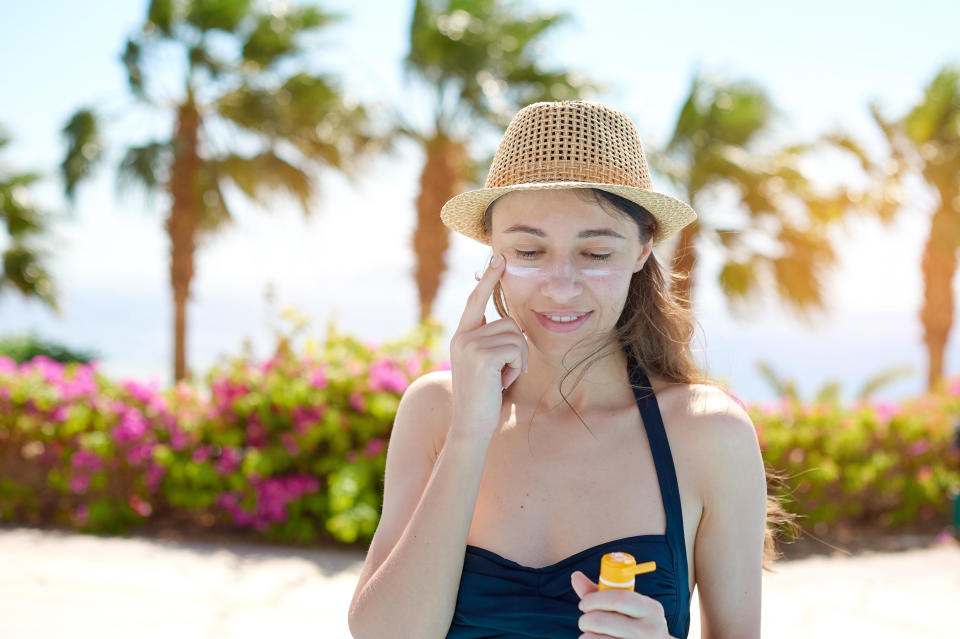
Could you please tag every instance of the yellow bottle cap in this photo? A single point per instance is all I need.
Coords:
(617, 570)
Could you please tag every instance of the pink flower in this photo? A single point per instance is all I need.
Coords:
(200, 454)
(955, 387)
(444, 365)
(132, 424)
(304, 418)
(413, 366)
(318, 379)
(256, 435)
(178, 438)
(140, 506)
(885, 408)
(81, 384)
(229, 460)
(86, 461)
(290, 444)
(924, 473)
(918, 448)
(81, 515)
(139, 453)
(50, 369)
(8, 365)
(142, 392)
(79, 483)
(224, 391)
(374, 447)
(944, 537)
(155, 473)
(385, 375)
(357, 402)
(268, 365)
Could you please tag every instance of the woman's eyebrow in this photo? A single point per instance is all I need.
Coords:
(588, 233)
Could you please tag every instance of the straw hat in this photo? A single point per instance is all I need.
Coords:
(568, 144)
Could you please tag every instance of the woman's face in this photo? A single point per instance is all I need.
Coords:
(566, 255)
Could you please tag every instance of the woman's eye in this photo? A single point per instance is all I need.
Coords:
(530, 255)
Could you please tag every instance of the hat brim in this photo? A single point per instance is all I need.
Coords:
(464, 212)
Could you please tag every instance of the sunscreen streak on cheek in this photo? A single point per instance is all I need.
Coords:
(535, 271)
(523, 271)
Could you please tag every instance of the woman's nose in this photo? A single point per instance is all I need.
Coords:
(561, 280)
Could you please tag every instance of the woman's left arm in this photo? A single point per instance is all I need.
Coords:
(728, 552)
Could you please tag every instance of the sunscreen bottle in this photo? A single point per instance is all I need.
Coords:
(617, 570)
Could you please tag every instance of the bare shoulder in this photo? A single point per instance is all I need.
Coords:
(709, 425)
(433, 403)
(701, 407)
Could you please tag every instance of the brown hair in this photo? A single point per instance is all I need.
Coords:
(656, 329)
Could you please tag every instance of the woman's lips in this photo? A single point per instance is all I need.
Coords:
(562, 327)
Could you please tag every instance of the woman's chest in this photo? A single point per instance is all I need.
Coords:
(554, 490)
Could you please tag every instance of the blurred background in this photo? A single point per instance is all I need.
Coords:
(223, 263)
(787, 78)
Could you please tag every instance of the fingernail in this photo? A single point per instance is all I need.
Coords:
(497, 259)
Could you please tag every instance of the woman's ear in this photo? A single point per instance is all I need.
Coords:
(645, 252)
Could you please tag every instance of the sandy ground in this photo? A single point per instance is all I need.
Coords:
(55, 584)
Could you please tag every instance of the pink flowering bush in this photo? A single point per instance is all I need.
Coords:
(878, 463)
(292, 448)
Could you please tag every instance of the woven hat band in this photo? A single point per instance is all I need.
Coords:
(570, 142)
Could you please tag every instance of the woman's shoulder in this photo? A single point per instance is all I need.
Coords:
(702, 417)
(696, 402)
(433, 403)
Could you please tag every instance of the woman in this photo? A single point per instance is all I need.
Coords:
(575, 425)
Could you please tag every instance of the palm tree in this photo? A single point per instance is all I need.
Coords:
(924, 143)
(716, 143)
(246, 112)
(927, 139)
(23, 266)
(478, 60)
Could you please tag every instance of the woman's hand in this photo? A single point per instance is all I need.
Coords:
(625, 614)
(484, 359)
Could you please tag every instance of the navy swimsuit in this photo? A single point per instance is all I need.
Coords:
(501, 599)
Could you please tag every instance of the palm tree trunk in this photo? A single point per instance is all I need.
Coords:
(440, 180)
(684, 262)
(181, 226)
(939, 267)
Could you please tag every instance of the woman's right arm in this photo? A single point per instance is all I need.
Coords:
(411, 577)
(413, 593)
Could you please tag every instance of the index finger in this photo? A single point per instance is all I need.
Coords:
(477, 301)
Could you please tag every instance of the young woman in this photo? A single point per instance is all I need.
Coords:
(576, 425)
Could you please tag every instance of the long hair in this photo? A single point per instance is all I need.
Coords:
(656, 329)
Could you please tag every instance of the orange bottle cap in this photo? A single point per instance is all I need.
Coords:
(617, 570)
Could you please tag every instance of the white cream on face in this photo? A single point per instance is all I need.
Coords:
(539, 272)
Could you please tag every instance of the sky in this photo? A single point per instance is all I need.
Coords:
(351, 261)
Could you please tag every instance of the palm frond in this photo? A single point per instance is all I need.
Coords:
(84, 149)
(162, 14)
(224, 15)
(276, 37)
(884, 378)
(263, 175)
(147, 166)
